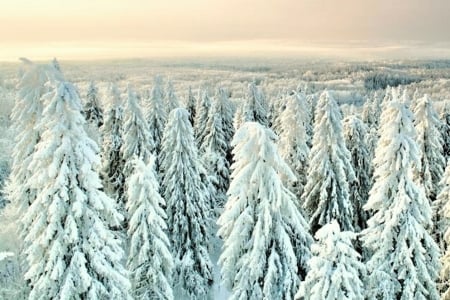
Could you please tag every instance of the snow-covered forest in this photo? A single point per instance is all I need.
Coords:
(225, 179)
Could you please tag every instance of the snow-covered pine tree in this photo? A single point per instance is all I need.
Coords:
(293, 140)
(330, 171)
(355, 132)
(71, 252)
(445, 130)
(25, 116)
(112, 161)
(443, 227)
(188, 207)
(255, 107)
(336, 271)
(238, 118)
(429, 140)
(266, 239)
(136, 136)
(224, 108)
(202, 117)
(170, 98)
(214, 156)
(150, 262)
(191, 106)
(405, 259)
(156, 114)
(92, 109)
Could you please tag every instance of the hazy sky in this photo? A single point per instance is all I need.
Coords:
(118, 28)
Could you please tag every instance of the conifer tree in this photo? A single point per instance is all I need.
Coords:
(293, 140)
(405, 258)
(336, 271)
(238, 118)
(188, 207)
(326, 192)
(202, 117)
(150, 262)
(214, 154)
(25, 117)
(170, 98)
(355, 132)
(156, 115)
(443, 227)
(429, 140)
(224, 108)
(255, 107)
(112, 161)
(266, 239)
(92, 110)
(136, 136)
(71, 252)
(445, 131)
(191, 106)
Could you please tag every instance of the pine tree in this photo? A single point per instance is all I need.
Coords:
(225, 110)
(266, 239)
(443, 227)
(238, 118)
(355, 132)
(92, 110)
(70, 250)
(170, 98)
(188, 207)
(429, 140)
(156, 114)
(405, 259)
(149, 260)
(214, 156)
(112, 161)
(293, 140)
(202, 118)
(445, 131)
(136, 136)
(255, 108)
(336, 271)
(25, 116)
(330, 171)
(191, 106)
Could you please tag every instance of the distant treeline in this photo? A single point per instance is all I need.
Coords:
(376, 81)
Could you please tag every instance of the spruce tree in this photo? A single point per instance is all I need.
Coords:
(266, 239)
(326, 192)
(92, 109)
(429, 140)
(355, 132)
(255, 107)
(112, 161)
(224, 108)
(136, 136)
(443, 227)
(187, 207)
(71, 252)
(445, 130)
(170, 98)
(150, 262)
(202, 117)
(191, 106)
(405, 258)
(214, 156)
(25, 117)
(293, 140)
(336, 271)
(156, 115)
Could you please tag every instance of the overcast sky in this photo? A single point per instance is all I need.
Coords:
(175, 27)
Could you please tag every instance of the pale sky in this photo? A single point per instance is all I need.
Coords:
(139, 28)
